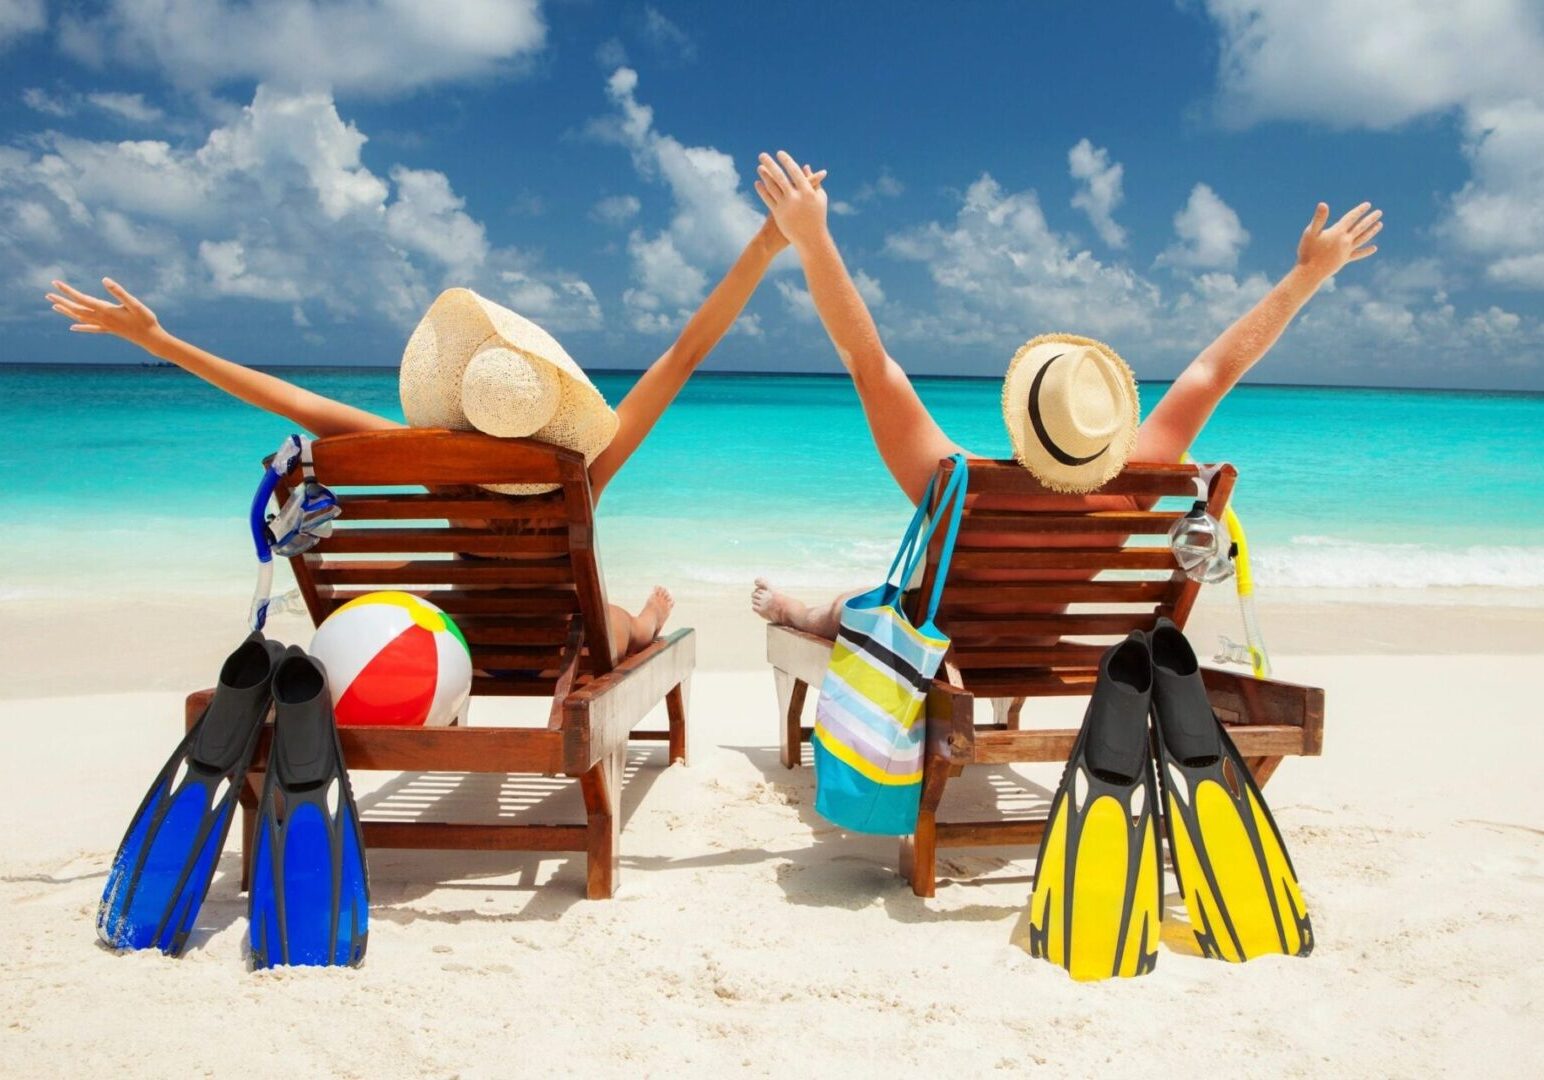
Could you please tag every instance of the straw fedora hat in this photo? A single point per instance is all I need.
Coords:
(472, 364)
(1070, 405)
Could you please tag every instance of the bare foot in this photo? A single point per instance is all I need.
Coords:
(650, 619)
(776, 607)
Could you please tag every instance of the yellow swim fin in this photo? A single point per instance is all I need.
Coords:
(1238, 882)
(1098, 889)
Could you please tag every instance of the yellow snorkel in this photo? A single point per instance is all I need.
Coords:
(1254, 651)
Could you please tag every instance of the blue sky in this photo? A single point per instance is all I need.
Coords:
(293, 181)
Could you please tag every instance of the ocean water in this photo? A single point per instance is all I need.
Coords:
(128, 480)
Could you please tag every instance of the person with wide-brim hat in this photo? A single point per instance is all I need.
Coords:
(1069, 402)
(472, 363)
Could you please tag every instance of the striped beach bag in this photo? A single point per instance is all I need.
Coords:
(869, 726)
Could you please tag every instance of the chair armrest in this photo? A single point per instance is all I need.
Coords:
(1249, 702)
(951, 721)
(804, 656)
(598, 716)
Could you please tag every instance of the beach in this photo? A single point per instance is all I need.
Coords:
(748, 935)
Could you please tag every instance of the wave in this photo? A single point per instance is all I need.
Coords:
(1332, 562)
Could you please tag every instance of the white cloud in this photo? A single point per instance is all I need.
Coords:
(869, 288)
(131, 107)
(666, 35)
(999, 269)
(360, 46)
(712, 219)
(616, 209)
(39, 100)
(20, 17)
(275, 205)
(1210, 236)
(1099, 192)
(1380, 63)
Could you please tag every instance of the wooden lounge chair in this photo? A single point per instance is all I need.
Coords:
(1027, 619)
(522, 580)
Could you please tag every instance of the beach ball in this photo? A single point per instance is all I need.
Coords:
(393, 659)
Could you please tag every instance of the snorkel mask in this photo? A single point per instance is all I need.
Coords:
(301, 523)
(1201, 546)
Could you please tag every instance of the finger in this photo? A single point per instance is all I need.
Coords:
(1352, 214)
(1321, 214)
(78, 296)
(123, 296)
(1362, 253)
(1366, 235)
(795, 173)
(87, 328)
(766, 196)
(1360, 229)
(774, 179)
(60, 302)
(774, 175)
(816, 179)
(72, 311)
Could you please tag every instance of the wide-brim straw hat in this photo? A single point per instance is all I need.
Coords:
(1070, 404)
(522, 384)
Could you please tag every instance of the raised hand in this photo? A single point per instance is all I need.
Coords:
(797, 203)
(129, 319)
(769, 228)
(1324, 251)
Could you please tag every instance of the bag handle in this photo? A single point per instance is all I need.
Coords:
(951, 502)
(909, 541)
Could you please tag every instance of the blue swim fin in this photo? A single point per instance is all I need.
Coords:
(166, 860)
(310, 896)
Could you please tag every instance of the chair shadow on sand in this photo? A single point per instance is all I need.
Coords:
(399, 878)
(839, 869)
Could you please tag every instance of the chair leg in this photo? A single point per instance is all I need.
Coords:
(250, 793)
(601, 785)
(790, 707)
(919, 851)
(676, 704)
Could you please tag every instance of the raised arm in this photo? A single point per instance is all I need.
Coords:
(131, 320)
(908, 438)
(657, 387)
(1178, 418)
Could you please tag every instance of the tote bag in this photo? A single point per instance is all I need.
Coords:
(869, 725)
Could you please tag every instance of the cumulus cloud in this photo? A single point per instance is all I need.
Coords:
(1209, 235)
(357, 46)
(1001, 274)
(275, 205)
(1482, 59)
(712, 218)
(616, 209)
(1099, 190)
(19, 18)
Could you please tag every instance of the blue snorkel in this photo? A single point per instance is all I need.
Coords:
(301, 523)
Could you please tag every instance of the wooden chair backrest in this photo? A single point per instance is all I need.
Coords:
(518, 574)
(1042, 583)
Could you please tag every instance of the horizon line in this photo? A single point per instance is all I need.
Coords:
(161, 364)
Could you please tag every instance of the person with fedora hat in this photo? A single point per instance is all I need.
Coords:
(474, 364)
(1069, 402)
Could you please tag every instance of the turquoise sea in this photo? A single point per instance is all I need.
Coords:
(136, 479)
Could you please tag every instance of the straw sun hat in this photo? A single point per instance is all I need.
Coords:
(474, 365)
(1070, 404)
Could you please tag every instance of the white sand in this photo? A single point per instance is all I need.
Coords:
(749, 935)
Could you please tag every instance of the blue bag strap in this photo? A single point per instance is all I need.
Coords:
(952, 503)
(905, 554)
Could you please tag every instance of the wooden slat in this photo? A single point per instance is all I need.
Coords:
(479, 601)
(440, 835)
(443, 507)
(1067, 558)
(1034, 525)
(470, 541)
(965, 597)
(1032, 682)
(989, 833)
(506, 573)
(502, 630)
(509, 686)
(1010, 478)
(448, 749)
(1020, 656)
(431, 458)
(1055, 744)
(1005, 628)
(602, 712)
(498, 658)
